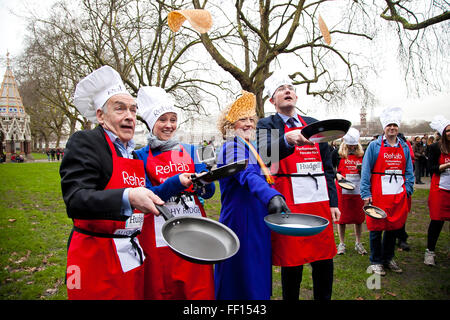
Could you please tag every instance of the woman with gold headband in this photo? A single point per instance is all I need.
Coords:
(246, 198)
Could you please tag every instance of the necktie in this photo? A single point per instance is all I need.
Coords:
(291, 123)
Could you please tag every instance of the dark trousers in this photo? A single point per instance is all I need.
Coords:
(322, 276)
(382, 247)
(401, 234)
(434, 230)
(417, 171)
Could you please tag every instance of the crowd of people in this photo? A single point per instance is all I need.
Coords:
(112, 192)
(54, 154)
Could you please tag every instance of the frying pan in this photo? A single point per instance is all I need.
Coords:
(374, 212)
(345, 184)
(222, 172)
(326, 130)
(292, 224)
(198, 239)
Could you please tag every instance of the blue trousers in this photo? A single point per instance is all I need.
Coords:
(382, 247)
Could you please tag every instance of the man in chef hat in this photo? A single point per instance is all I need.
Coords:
(103, 187)
(305, 177)
(387, 180)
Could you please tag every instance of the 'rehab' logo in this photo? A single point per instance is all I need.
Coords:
(172, 167)
(352, 162)
(391, 156)
(133, 181)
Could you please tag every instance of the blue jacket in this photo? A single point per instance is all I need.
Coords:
(172, 186)
(371, 156)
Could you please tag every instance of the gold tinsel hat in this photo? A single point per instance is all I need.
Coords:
(244, 106)
(199, 19)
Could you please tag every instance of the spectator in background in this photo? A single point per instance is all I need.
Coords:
(423, 160)
(419, 154)
(430, 141)
(52, 153)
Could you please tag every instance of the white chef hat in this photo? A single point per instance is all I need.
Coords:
(152, 103)
(276, 80)
(351, 137)
(94, 90)
(439, 124)
(391, 115)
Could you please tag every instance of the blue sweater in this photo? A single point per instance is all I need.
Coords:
(371, 156)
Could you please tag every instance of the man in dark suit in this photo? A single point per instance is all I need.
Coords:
(304, 175)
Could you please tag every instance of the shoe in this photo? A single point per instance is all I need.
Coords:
(377, 269)
(429, 258)
(420, 182)
(393, 266)
(403, 245)
(360, 249)
(341, 248)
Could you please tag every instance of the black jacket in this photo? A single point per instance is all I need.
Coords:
(270, 136)
(85, 170)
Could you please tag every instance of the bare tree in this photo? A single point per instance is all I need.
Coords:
(132, 36)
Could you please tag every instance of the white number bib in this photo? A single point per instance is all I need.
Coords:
(356, 180)
(392, 184)
(305, 189)
(444, 180)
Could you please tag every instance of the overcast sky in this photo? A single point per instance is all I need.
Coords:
(389, 86)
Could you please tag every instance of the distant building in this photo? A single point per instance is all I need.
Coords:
(15, 133)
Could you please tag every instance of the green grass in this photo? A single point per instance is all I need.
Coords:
(34, 229)
(39, 156)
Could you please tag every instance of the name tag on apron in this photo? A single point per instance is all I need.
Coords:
(309, 189)
(392, 184)
(128, 255)
(177, 209)
(444, 180)
(356, 180)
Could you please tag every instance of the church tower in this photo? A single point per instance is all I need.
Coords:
(363, 120)
(15, 134)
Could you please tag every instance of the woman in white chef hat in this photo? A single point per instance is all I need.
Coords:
(170, 277)
(439, 197)
(348, 160)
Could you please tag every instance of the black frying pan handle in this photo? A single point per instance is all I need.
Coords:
(164, 212)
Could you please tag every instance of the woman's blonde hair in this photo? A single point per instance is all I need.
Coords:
(225, 126)
(242, 107)
(343, 150)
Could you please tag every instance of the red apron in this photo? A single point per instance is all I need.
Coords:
(305, 193)
(168, 276)
(388, 189)
(350, 202)
(104, 259)
(439, 198)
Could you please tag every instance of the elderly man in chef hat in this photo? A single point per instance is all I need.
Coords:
(305, 176)
(103, 186)
(439, 198)
(387, 180)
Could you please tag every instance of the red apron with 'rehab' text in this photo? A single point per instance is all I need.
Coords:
(304, 194)
(350, 202)
(168, 276)
(439, 197)
(388, 189)
(104, 259)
